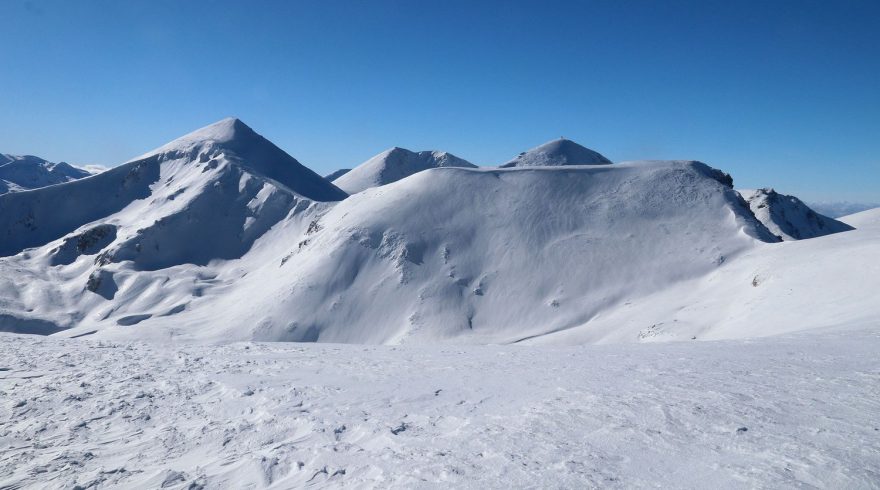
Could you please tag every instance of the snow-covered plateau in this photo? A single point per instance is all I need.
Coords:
(214, 314)
(794, 411)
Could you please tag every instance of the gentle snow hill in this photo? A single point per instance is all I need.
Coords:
(829, 281)
(556, 153)
(338, 173)
(24, 172)
(865, 220)
(788, 217)
(393, 165)
(466, 255)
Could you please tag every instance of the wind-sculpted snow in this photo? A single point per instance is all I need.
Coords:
(393, 165)
(788, 217)
(782, 412)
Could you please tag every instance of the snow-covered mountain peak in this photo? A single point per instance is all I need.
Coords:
(394, 164)
(227, 132)
(558, 152)
(232, 141)
(788, 217)
(25, 172)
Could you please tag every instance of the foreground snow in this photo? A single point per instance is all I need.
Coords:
(775, 412)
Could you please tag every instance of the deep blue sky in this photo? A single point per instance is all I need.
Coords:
(778, 93)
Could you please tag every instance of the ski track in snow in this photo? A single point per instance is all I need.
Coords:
(788, 411)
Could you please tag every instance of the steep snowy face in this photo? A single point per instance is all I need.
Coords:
(556, 153)
(788, 217)
(24, 172)
(393, 165)
(205, 196)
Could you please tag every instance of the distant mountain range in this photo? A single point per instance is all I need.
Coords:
(25, 172)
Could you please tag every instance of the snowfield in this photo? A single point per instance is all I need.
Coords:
(782, 412)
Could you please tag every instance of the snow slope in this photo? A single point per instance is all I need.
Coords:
(221, 165)
(555, 153)
(783, 412)
(204, 198)
(772, 289)
(338, 173)
(462, 255)
(393, 165)
(632, 252)
(23, 172)
(788, 217)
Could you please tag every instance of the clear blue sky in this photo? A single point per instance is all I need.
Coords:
(778, 93)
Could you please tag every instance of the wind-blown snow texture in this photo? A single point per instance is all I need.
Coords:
(19, 173)
(393, 165)
(781, 412)
(555, 153)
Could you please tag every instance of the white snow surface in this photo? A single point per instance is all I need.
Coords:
(788, 217)
(25, 172)
(797, 411)
(450, 254)
(212, 238)
(392, 165)
(555, 153)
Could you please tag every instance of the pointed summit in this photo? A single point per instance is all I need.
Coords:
(229, 131)
(235, 139)
(394, 164)
(556, 153)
